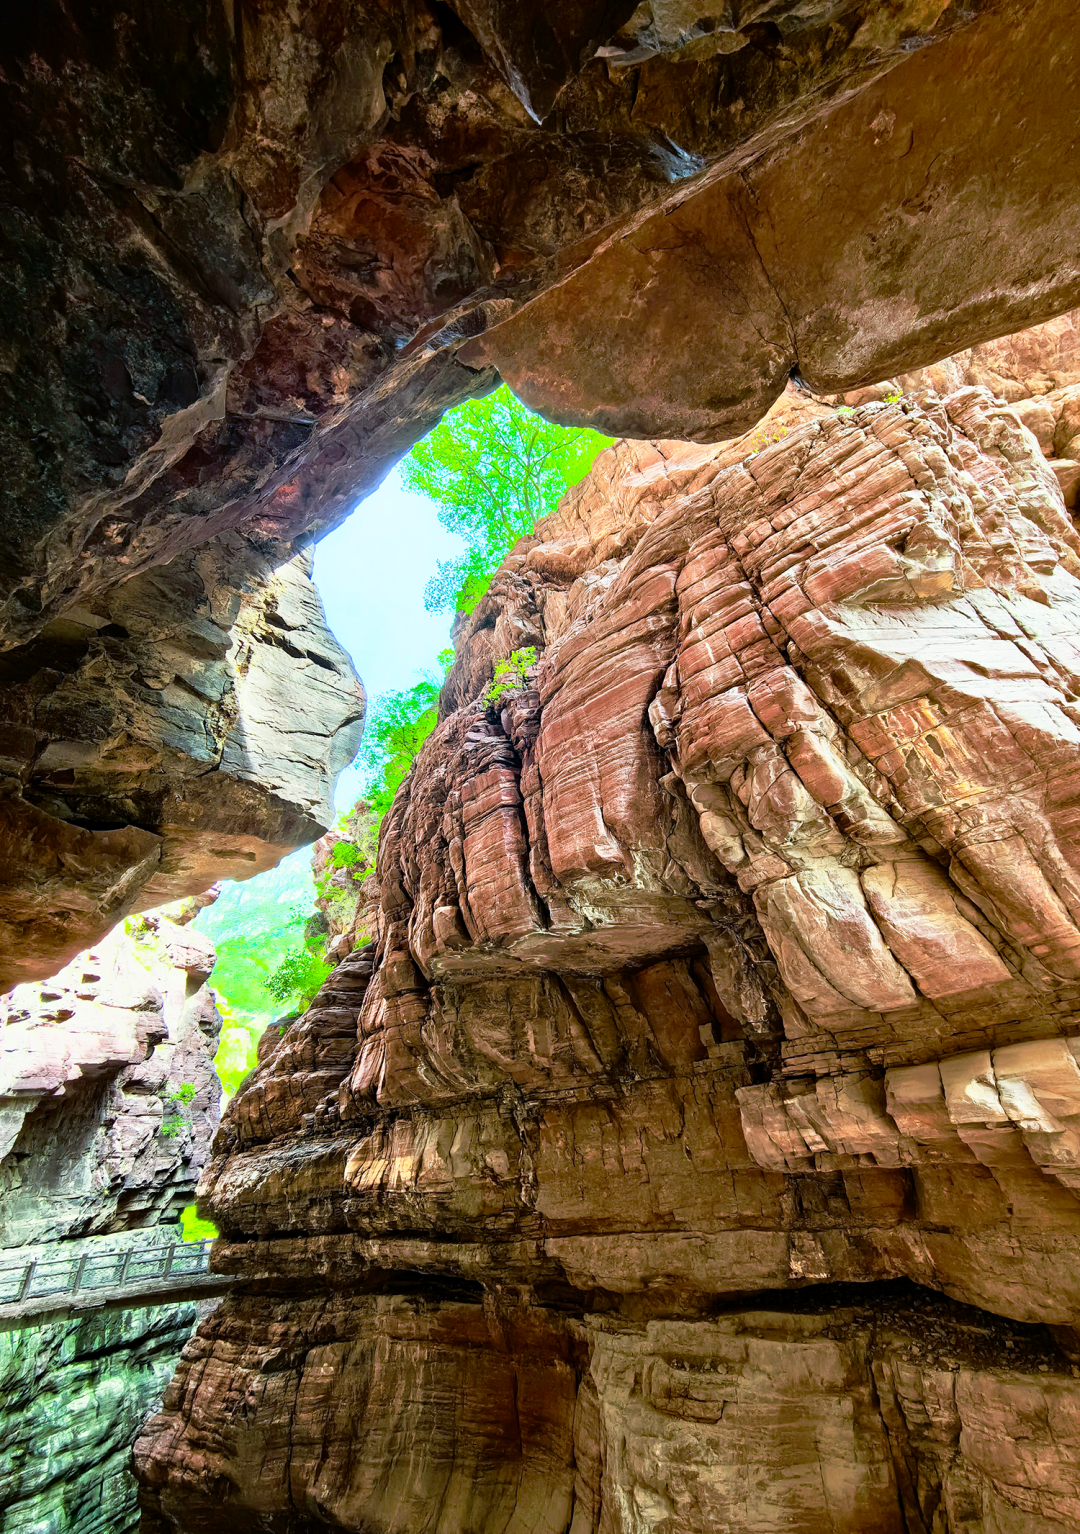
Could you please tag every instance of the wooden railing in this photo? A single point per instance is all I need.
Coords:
(48, 1275)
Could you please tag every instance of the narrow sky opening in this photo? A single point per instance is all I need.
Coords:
(371, 573)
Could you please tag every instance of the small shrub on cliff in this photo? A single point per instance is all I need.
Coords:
(494, 468)
(176, 1116)
(511, 675)
(345, 854)
(297, 978)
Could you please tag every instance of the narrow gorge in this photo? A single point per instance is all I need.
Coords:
(687, 1137)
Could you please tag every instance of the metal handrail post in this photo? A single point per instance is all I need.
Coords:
(79, 1271)
(28, 1279)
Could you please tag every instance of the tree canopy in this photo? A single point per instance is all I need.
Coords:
(494, 468)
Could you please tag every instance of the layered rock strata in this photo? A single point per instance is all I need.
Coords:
(108, 1097)
(260, 250)
(889, 1415)
(733, 953)
(186, 726)
(108, 1101)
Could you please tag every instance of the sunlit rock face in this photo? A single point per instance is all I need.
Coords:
(260, 251)
(108, 1097)
(186, 726)
(733, 952)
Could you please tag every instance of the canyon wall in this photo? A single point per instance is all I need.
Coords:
(108, 1102)
(186, 726)
(735, 953)
(108, 1097)
(697, 1146)
(74, 1394)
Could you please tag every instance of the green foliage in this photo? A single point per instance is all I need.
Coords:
(894, 397)
(297, 978)
(194, 1229)
(255, 926)
(762, 439)
(494, 468)
(397, 725)
(176, 1117)
(345, 854)
(511, 675)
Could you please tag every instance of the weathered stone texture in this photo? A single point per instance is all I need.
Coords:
(187, 726)
(734, 952)
(108, 1101)
(91, 1062)
(74, 1394)
(886, 1415)
(246, 265)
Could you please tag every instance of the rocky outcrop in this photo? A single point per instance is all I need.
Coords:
(730, 952)
(74, 1394)
(108, 1097)
(186, 726)
(260, 251)
(342, 862)
(888, 1414)
(108, 1101)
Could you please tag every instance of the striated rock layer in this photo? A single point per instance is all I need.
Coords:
(186, 726)
(736, 953)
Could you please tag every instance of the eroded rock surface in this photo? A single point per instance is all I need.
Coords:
(108, 1101)
(74, 1394)
(260, 251)
(733, 953)
(186, 726)
(887, 1414)
(108, 1097)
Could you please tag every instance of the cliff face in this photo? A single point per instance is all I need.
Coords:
(186, 726)
(108, 1101)
(725, 990)
(108, 1097)
(74, 1394)
(261, 249)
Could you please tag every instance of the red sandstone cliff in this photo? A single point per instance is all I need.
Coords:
(733, 953)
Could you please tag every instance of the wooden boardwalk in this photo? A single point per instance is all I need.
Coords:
(45, 1280)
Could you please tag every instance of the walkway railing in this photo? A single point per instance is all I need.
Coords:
(44, 1276)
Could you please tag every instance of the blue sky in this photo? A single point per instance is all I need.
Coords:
(371, 575)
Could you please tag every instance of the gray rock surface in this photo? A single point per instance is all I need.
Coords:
(186, 726)
(74, 1394)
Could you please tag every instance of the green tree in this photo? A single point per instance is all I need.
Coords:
(263, 964)
(494, 468)
(396, 727)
